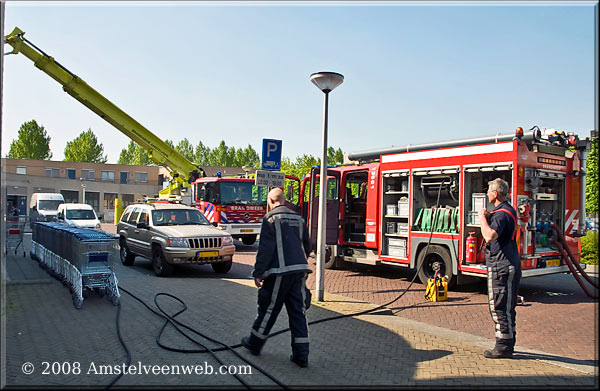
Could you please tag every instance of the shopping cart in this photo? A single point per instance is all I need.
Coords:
(80, 258)
(15, 228)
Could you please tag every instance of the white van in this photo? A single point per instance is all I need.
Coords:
(78, 215)
(44, 206)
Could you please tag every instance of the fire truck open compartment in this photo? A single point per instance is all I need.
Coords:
(475, 194)
(547, 194)
(395, 211)
(355, 206)
(435, 218)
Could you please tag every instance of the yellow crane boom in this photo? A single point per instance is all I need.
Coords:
(182, 170)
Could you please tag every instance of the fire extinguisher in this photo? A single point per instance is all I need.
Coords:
(471, 248)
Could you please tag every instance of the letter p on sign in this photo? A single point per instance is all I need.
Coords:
(271, 155)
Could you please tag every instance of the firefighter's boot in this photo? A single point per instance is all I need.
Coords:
(298, 361)
(504, 349)
(251, 344)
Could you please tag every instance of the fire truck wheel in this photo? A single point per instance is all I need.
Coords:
(159, 264)
(330, 261)
(248, 239)
(438, 258)
(127, 257)
(221, 267)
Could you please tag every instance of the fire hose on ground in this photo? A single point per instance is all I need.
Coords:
(170, 319)
(572, 263)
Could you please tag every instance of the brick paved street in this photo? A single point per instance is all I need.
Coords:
(402, 350)
(557, 317)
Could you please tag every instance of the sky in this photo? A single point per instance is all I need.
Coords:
(414, 72)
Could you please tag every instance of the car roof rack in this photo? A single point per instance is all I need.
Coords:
(152, 200)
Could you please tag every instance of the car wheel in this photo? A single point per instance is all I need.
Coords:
(159, 263)
(127, 257)
(221, 267)
(437, 258)
(248, 239)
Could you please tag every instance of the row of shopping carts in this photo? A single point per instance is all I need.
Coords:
(15, 230)
(80, 258)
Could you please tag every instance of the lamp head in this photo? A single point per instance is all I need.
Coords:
(327, 81)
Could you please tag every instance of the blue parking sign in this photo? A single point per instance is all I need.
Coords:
(271, 155)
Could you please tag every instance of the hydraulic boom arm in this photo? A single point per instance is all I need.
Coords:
(182, 170)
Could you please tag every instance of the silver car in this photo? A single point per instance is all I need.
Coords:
(171, 234)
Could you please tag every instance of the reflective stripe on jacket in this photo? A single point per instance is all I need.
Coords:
(284, 244)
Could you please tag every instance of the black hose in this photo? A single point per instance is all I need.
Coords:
(22, 36)
(170, 319)
(561, 237)
(569, 263)
(124, 347)
(175, 323)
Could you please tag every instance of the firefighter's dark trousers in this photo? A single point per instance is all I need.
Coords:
(275, 292)
(503, 285)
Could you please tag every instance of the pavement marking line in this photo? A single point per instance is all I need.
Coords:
(347, 305)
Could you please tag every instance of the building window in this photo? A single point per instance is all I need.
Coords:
(92, 198)
(109, 200)
(71, 173)
(22, 170)
(127, 199)
(89, 175)
(141, 177)
(124, 177)
(52, 172)
(70, 196)
(108, 175)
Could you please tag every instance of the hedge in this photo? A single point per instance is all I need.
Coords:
(589, 248)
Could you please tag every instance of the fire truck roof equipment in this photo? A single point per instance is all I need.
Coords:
(532, 135)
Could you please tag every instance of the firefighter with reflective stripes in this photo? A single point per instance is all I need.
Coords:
(280, 274)
(499, 229)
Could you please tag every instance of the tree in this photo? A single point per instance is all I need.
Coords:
(201, 154)
(591, 186)
(334, 156)
(247, 157)
(219, 156)
(134, 154)
(32, 143)
(126, 155)
(85, 148)
(300, 167)
(185, 149)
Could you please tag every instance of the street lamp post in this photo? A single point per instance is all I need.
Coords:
(84, 186)
(326, 82)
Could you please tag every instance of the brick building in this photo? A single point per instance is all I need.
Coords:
(101, 183)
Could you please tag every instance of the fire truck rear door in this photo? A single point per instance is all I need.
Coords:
(332, 205)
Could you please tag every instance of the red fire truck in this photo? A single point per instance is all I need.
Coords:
(388, 208)
(236, 205)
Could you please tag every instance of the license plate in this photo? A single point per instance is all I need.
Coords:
(552, 262)
(207, 254)
(247, 230)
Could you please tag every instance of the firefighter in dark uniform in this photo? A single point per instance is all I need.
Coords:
(280, 274)
(503, 267)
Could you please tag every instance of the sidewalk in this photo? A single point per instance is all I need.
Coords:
(375, 350)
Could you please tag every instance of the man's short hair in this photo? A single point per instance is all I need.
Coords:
(499, 185)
